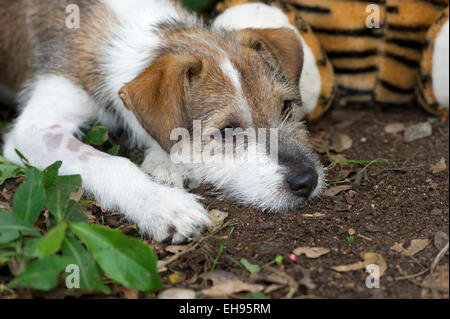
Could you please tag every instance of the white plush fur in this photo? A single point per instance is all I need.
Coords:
(259, 15)
(440, 73)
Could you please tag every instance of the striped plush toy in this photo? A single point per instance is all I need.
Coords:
(382, 51)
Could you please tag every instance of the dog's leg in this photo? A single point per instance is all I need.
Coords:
(44, 134)
(162, 169)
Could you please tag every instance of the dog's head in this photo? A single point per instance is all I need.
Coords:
(245, 80)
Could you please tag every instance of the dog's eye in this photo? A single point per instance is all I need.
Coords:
(287, 105)
(226, 132)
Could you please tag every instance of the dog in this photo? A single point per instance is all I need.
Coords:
(150, 66)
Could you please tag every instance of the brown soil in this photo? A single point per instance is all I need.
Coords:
(393, 202)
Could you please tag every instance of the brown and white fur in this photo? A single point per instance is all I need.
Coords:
(150, 67)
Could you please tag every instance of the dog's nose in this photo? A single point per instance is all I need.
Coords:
(302, 183)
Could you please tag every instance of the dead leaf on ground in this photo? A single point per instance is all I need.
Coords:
(311, 252)
(341, 142)
(415, 246)
(440, 282)
(369, 259)
(315, 215)
(177, 277)
(77, 196)
(440, 240)
(273, 288)
(226, 284)
(394, 128)
(129, 293)
(337, 157)
(177, 293)
(5, 206)
(175, 249)
(439, 166)
(217, 217)
(333, 191)
(417, 131)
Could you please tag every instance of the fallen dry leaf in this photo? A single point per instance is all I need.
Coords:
(415, 246)
(129, 293)
(273, 288)
(337, 157)
(440, 282)
(394, 128)
(369, 259)
(226, 284)
(439, 166)
(341, 142)
(217, 217)
(176, 278)
(440, 240)
(311, 252)
(417, 131)
(315, 215)
(345, 268)
(175, 249)
(333, 191)
(177, 293)
(77, 196)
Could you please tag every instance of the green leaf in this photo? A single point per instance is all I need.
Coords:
(349, 240)
(51, 173)
(11, 226)
(125, 259)
(58, 191)
(98, 135)
(41, 274)
(254, 269)
(90, 273)
(256, 295)
(9, 170)
(74, 213)
(51, 242)
(30, 248)
(279, 260)
(114, 150)
(30, 196)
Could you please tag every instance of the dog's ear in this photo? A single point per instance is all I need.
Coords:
(283, 46)
(157, 95)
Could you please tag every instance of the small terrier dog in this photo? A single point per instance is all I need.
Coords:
(151, 67)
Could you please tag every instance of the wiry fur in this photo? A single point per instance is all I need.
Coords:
(74, 76)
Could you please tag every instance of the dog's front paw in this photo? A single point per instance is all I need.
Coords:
(164, 172)
(175, 215)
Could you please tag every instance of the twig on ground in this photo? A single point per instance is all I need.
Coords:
(190, 247)
(431, 269)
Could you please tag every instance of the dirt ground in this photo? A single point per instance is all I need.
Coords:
(394, 202)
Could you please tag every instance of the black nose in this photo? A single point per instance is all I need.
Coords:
(302, 183)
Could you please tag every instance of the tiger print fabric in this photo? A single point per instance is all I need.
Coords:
(370, 64)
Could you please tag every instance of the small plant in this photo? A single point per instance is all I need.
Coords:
(98, 136)
(41, 258)
(254, 269)
(350, 240)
